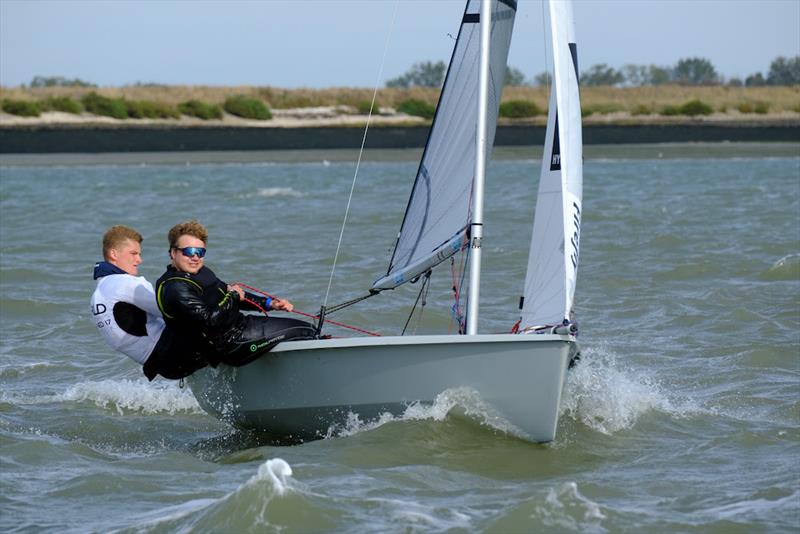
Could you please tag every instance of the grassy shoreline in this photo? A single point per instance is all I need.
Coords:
(342, 105)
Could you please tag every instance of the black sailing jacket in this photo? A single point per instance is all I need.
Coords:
(202, 311)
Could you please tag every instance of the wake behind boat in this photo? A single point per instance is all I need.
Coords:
(303, 388)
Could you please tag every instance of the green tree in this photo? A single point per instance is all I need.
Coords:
(602, 74)
(422, 74)
(658, 75)
(755, 80)
(635, 75)
(695, 71)
(58, 81)
(543, 79)
(784, 71)
(514, 77)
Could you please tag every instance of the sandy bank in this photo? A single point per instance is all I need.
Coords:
(342, 116)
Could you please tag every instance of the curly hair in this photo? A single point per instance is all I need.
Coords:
(116, 237)
(192, 228)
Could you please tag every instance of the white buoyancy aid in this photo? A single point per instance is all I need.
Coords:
(125, 312)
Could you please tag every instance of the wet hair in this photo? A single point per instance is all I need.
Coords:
(192, 228)
(116, 237)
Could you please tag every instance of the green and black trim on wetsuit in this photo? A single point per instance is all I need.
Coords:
(206, 315)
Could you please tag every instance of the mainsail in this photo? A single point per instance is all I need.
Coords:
(553, 260)
(437, 216)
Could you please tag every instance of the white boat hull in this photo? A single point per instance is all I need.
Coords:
(302, 388)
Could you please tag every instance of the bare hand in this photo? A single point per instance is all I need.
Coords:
(281, 304)
(238, 290)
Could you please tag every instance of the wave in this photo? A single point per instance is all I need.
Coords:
(130, 395)
(251, 507)
(786, 268)
(459, 401)
(608, 399)
(18, 369)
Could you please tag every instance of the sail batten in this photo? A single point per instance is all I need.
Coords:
(438, 209)
(555, 243)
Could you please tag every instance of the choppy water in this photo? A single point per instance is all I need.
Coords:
(684, 414)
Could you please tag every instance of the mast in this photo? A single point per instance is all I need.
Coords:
(476, 227)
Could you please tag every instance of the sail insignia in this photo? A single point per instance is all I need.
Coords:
(555, 243)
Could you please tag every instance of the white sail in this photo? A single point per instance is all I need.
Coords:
(438, 213)
(553, 260)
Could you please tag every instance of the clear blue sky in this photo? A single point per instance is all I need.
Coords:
(330, 43)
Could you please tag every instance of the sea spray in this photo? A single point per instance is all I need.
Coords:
(609, 399)
(462, 401)
(133, 395)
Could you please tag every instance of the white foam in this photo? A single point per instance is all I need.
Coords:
(464, 400)
(565, 507)
(608, 399)
(754, 507)
(276, 471)
(134, 395)
(271, 192)
(414, 515)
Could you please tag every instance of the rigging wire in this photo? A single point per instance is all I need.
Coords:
(360, 153)
(423, 294)
(310, 316)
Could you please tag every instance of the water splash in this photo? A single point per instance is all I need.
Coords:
(608, 399)
(134, 395)
(461, 400)
(276, 471)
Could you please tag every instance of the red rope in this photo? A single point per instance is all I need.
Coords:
(355, 328)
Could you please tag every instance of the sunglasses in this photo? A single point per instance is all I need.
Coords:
(191, 251)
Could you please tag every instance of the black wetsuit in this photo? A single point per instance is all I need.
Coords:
(205, 315)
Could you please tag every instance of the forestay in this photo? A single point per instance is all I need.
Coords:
(437, 216)
(553, 260)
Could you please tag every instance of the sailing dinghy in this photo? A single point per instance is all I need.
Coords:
(302, 389)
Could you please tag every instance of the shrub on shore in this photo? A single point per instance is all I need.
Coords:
(22, 108)
(417, 108)
(62, 103)
(365, 106)
(753, 107)
(147, 109)
(691, 108)
(519, 109)
(200, 109)
(602, 109)
(696, 107)
(108, 107)
(248, 108)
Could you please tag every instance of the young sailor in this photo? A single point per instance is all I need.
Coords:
(205, 311)
(125, 312)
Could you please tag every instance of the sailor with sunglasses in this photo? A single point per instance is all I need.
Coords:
(125, 312)
(205, 312)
